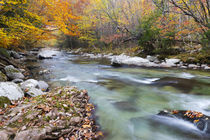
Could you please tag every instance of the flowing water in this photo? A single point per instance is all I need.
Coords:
(127, 98)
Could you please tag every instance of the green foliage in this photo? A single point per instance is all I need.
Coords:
(149, 35)
(3, 52)
(151, 40)
(206, 40)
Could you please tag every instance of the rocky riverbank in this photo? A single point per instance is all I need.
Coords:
(149, 61)
(29, 111)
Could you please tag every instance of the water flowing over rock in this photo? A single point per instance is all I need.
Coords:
(11, 90)
(13, 73)
(201, 121)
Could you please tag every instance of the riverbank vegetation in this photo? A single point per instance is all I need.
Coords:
(139, 27)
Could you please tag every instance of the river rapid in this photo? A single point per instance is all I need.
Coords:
(127, 98)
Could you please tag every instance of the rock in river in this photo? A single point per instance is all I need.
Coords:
(10, 90)
(13, 73)
(201, 121)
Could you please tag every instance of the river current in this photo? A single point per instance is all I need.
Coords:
(127, 98)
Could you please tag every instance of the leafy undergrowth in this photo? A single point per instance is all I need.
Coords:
(64, 113)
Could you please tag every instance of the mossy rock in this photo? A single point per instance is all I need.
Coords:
(3, 101)
(3, 52)
(3, 77)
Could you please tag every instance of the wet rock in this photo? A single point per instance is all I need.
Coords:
(10, 90)
(13, 73)
(125, 106)
(3, 77)
(17, 81)
(185, 85)
(201, 121)
(43, 85)
(47, 54)
(44, 72)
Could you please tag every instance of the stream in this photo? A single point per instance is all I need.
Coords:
(127, 98)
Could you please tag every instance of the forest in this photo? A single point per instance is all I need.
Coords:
(153, 26)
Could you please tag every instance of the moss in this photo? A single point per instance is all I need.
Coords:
(3, 77)
(3, 52)
(3, 101)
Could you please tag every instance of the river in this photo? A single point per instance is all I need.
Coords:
(127, 98)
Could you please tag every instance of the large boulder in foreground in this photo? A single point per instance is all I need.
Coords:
(13, 73)
(64, 113)
(10, 90)
(201, 121)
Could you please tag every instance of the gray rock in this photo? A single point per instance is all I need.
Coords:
(43, 85)
(44, 72)
(206, 68)
(30, 83)
(31, 134)
(10, 90)
(4, 135)
(13, 73)
(78, 50)
(15, 55)
(75, 120)
(151, 58)
(33, 92)
(47, 54)
(193, 66)
(3, 77)
(17, 81)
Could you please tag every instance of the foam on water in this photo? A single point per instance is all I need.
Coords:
(186, 75)
(76, 80)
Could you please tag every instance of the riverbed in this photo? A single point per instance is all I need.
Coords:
(127, 98)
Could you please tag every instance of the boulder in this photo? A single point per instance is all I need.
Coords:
(47, 54)
(17, 81)
(172, 62)
(3, 77)
(15, 55)
(33, 88)
(10, 90)
(151, 58)
(13, 73)
(30, 83)
(201, 121)
(31, 134)
(33, 92)
(193, 66)
(43, 85)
